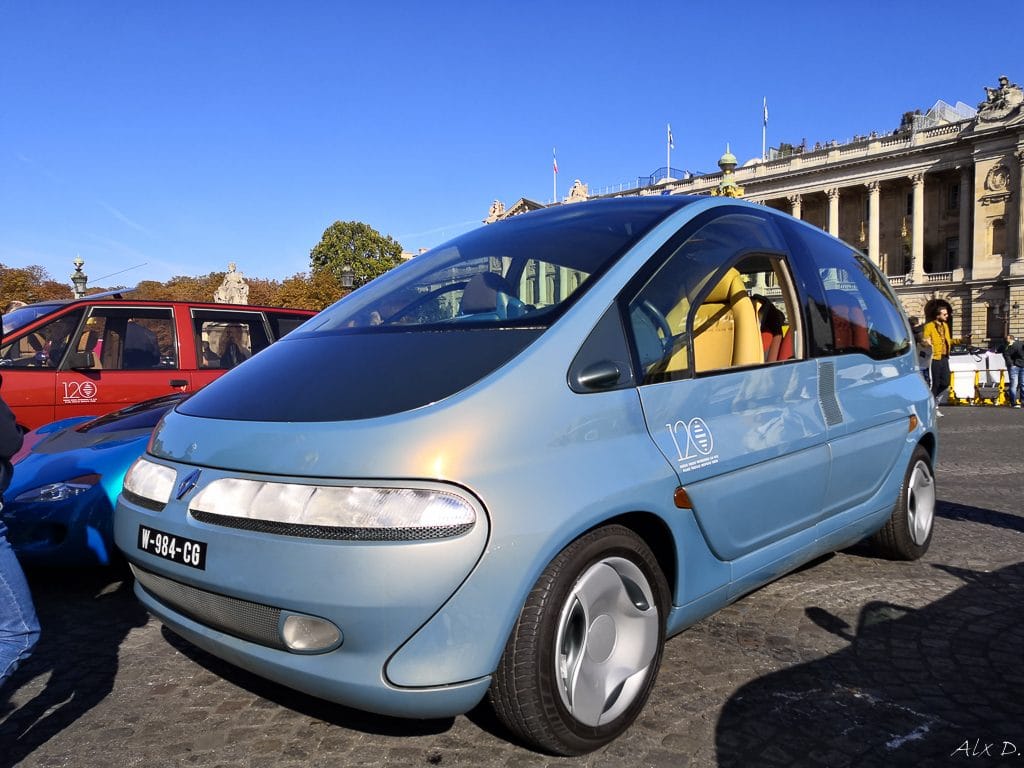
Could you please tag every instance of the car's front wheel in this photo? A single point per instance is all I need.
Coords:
(585, 651)
(908, 532)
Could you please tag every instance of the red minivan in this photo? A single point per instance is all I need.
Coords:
(94, 355)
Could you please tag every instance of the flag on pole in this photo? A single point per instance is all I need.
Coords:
(766, 110)
(671, 143)
(554, 160)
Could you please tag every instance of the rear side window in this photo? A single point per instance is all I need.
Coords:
(864, 314)
(283, 323)
(226, 338)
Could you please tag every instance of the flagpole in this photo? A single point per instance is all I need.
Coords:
(764, 131)
(554, 176)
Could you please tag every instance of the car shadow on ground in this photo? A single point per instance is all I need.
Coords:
(913, 687)
(952, 511)
(77, 654)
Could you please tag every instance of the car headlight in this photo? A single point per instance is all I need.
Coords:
(59, 491)
(149, 484)
(331, 512)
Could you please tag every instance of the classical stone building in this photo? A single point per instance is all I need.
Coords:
(937, 204)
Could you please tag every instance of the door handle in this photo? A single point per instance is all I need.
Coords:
(179, 382)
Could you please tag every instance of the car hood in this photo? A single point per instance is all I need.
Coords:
(67, 454)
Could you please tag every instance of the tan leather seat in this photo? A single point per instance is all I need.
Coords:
(725, 328)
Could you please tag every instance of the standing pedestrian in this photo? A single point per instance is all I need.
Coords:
(1014, 356)
(937, 332)
(923, 347)
(19, 627)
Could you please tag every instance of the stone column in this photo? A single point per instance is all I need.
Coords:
(833, 211)
(795, 205)
(917, 230)
(1020, 205)
(965, 237)
(874, 195)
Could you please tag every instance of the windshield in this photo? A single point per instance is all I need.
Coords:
(521, 272)
(22, 316)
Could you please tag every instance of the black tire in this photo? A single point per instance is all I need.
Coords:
(603, 593)
(908, 532)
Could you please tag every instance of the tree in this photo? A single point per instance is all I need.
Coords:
(359, 246)
(29, 284)
(315, 291)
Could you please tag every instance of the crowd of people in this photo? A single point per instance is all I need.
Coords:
(934, 342)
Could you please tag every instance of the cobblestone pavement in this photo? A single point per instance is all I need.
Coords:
(851, 661)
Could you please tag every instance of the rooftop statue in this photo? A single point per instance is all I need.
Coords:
(1000, 102)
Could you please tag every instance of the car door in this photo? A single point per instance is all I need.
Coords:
(727, 393)
(120, 355)
(30, 364)
(862, 361)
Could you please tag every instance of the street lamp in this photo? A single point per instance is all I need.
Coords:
(79, 278)
(347, 277)
(1005, 311)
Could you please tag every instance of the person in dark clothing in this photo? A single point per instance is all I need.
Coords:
(1014, 356)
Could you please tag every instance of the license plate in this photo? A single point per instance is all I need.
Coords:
(177, 549)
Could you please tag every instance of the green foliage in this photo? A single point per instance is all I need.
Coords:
(365, 250)
(315, 291)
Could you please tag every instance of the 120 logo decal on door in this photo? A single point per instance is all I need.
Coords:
(697, 443)
(79, 391)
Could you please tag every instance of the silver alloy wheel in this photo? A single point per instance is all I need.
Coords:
(920, 503)
(608, 636)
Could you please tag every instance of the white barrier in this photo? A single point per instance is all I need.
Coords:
(977, 376)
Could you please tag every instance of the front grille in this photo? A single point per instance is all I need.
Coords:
(250, 621)
(331, 533)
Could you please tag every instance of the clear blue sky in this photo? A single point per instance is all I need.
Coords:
(189, 134)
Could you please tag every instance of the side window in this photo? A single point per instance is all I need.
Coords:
(723, 299)
(126, 339)
(224, 338)
(43, 347)
(283, 323)
(864, 314)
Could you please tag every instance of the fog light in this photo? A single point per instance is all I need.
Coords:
(308, 634)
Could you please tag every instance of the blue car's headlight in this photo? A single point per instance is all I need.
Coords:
(331, 512)
(59, 491)
(149, 484)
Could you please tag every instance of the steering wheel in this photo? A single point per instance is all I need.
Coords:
(660, 322)
(653, 349)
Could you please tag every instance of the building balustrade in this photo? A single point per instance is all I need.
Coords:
(938, 277)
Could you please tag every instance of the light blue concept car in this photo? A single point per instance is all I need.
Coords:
(513, 466)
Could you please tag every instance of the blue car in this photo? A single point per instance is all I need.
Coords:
(59, 507)
(513, 466)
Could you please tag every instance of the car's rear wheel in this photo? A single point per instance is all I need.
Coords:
(585, 651)
(908, 532)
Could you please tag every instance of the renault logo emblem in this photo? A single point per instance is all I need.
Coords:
(188, 483)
